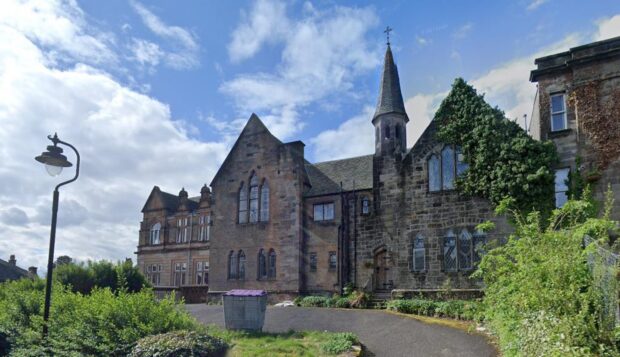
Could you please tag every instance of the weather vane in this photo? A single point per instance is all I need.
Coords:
(387, 32)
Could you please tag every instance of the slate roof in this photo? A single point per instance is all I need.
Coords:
(10, 272)
(325, 177)
(390, 96)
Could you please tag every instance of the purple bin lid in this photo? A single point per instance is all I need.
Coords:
(241, 292)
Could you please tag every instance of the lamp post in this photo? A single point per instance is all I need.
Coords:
(54, 162)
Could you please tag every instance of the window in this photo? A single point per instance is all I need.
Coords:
(447, 168)
(479, 242)
(333, 260)
(461, 165)
(313, 261)
(232, 265)
(365, 205)
(180, 270)
(253, 199)
(397, 132)
(264, 202)
(434, 173)
(419, 254)
(182, 230)
(465, 250)
(272, 264)
(154, 234)
(387, 132)
(202, 273)
(153, 274)
(561, 186)
(449, 252)
(558, 112)
(204, 222)
(324, 212)
(243, 205)
(241, 261)
(262, 265)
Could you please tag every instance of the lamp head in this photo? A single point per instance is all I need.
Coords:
(53, 159)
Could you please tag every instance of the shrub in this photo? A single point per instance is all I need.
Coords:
(342, 302)
(359, 299)
(339, 343)
(83, 278)
(457, 309)
(179, 343)
(314, 301)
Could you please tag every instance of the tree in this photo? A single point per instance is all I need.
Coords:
(63, 259)
(504, 161)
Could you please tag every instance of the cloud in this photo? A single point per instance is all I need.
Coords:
(184, 53)
(608, 28)
(535, 4)
(422, 41)
(323, 51)
(146, 53)
(463, 31)
(354, 137)
(128, 142)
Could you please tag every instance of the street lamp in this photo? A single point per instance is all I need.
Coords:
(54, 162)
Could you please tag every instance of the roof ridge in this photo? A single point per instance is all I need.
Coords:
(348, 158)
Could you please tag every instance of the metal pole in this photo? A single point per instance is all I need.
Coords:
(50, 264)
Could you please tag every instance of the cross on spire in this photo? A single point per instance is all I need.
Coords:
(387, 32)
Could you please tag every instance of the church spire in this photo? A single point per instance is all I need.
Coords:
(390, 96)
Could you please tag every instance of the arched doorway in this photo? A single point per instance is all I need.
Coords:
(381, 273)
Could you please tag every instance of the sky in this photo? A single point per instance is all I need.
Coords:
(155, 93)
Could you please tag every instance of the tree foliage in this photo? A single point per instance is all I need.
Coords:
(83, 278)
(504, 161)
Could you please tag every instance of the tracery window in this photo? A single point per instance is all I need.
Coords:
(154, 234)
(434, 173)
(465, 250)
(447, 168)
(419, 254)
(262, 265)
(243, 204)
(253, 199)
(272, 264)
(463, 253)
(443, 169)
(449, 252)
(241, 262)
(264, 202)
(232, 265)
(461, 165)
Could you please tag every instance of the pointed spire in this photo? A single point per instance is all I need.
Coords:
(390, 96)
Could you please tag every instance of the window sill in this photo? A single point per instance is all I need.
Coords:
(559, 133)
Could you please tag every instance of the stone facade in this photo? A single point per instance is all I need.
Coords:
(586, 79)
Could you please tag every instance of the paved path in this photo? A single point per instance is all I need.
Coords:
(383, 334)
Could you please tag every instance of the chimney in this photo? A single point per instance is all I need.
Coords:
(12, 260)
(32, 271)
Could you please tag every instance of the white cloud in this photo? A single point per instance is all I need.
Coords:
(535, 4)
(608, 28)
(421, 40)
(463, 31)
(323, 52)
(128, 143)
(145, 52)
(184, 53)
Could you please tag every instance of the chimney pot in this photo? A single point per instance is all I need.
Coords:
(32, 271)
(12, 260)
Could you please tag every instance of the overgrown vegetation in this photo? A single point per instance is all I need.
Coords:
(101, 323)
(83, 278)
(179, 343)
(504, 161)
(542, 298)
(456, 309)
(350, 299)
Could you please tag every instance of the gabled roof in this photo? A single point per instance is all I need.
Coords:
(169, 201)
(390, 96)
(11, 272)
(325, 177)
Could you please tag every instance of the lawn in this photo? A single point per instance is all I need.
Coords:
(292, 343)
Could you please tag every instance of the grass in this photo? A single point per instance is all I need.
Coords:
(305, 343)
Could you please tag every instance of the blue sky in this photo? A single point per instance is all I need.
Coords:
(155, 93)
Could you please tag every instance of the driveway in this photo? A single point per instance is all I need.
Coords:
(383, 334)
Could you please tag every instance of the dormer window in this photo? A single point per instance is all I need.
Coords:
(558, 112)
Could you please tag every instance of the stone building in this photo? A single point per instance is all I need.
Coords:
(10, 271)
(274, 221)
(578, 108)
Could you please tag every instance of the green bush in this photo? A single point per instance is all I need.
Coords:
(359, 299)
(457, 309)
(314, 301)
(179, 343)
(83, 278)
(540, 293)
(102, 323)
(339, 343)
(342, 302)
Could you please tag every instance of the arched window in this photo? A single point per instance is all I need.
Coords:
(447, 168)
(262, 265)
(465, 250)
(365, 205)
(272, 265)
(397, 131)
(253, 199)
(243, 204)
(264, 202)
(232, 265)
(449, 251)
(479, 242)
(241, 262)
(154, 234)
(387, 131)
(434, 173)
(461, 165)
(419, 254)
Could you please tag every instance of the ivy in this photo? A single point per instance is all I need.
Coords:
(504, 161)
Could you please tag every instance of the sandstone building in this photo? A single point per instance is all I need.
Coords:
(274, 221)
(578, 108)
